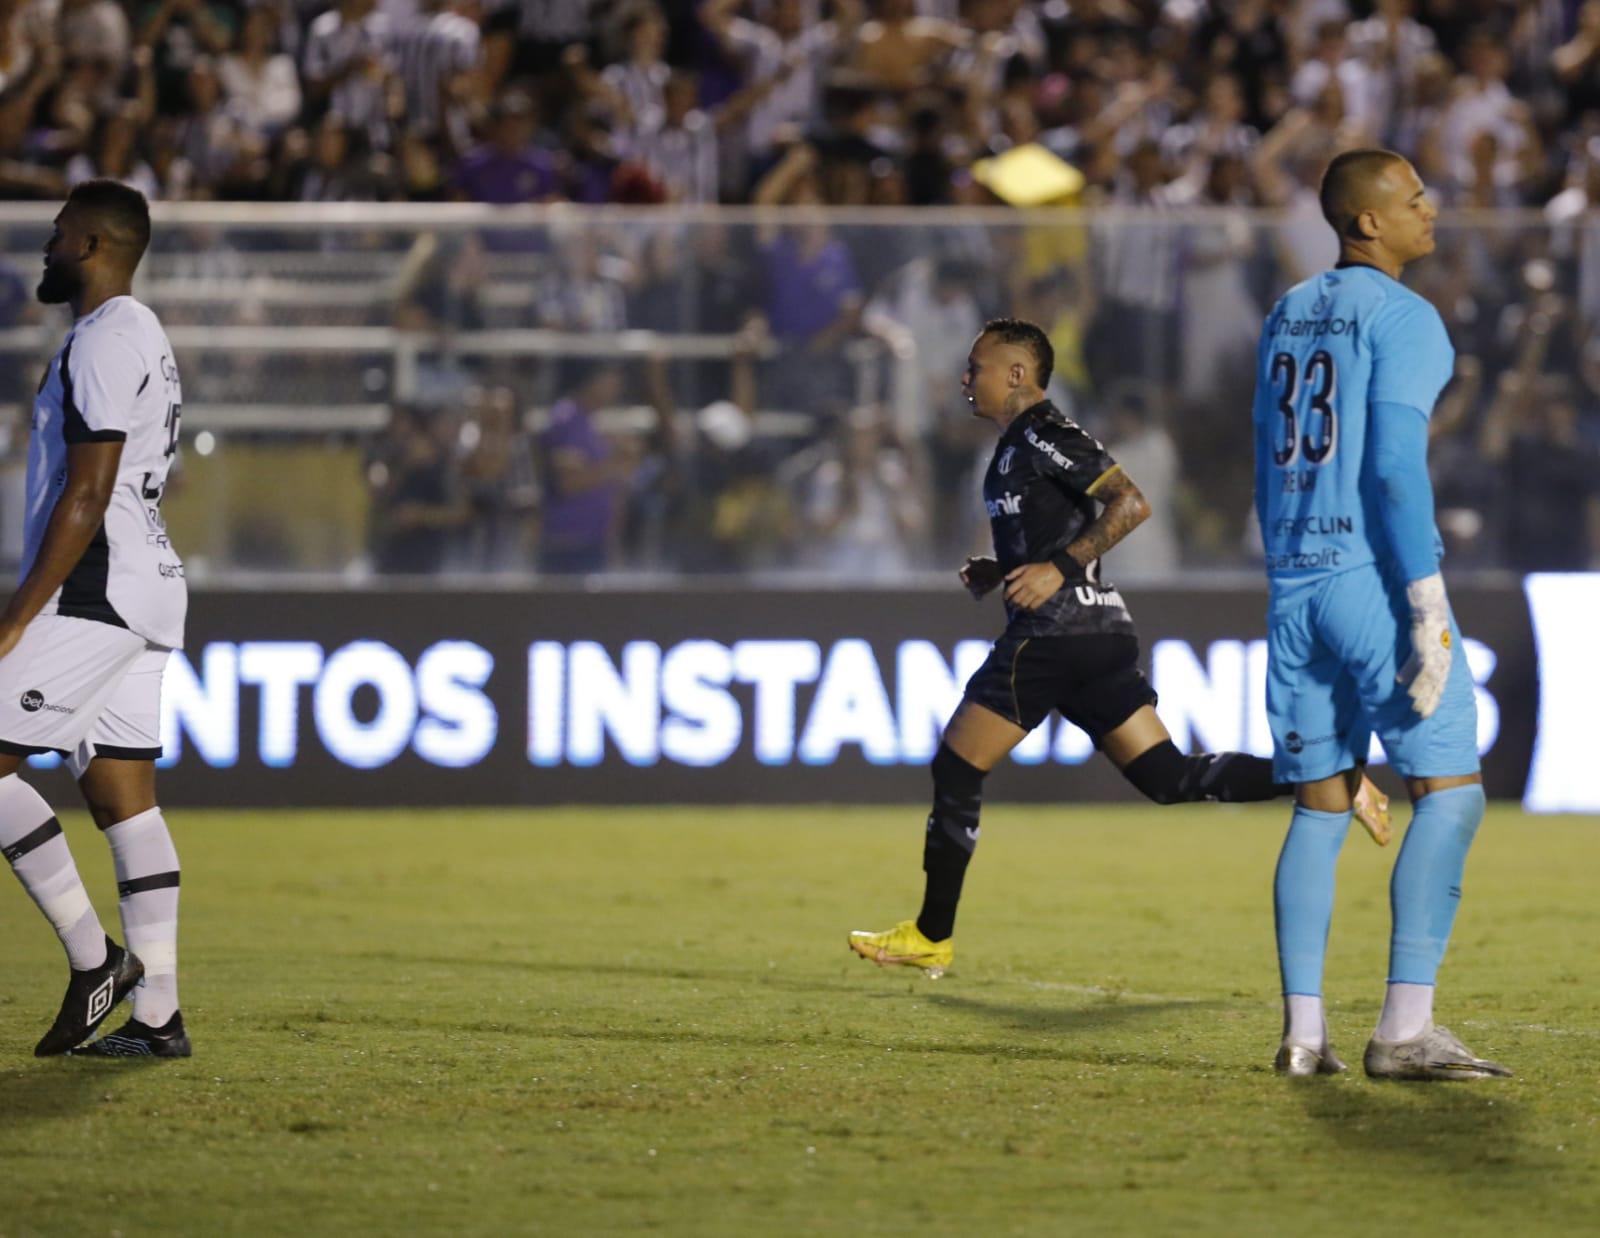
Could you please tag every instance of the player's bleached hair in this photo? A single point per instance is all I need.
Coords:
(1028, 335)
(119, 210)
(1346, 188)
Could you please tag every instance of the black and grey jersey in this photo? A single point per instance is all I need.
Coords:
(1039, 491)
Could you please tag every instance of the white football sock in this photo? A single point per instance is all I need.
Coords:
(1407, 1011)
(31, 839)
(147, 886)
(1303, 1020)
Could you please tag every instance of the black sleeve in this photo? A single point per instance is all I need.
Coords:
(1064, 453)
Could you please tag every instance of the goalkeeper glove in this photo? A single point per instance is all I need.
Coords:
(1432, 646)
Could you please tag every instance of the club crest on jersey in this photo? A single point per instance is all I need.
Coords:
(1321, 306)
(1003, 465)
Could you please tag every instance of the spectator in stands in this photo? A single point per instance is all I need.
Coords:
(541, 32)
(583, 480)
(338, 166)
(1134, 331)
(1483, 103)
(863, 509)
(1550, 476)
(1574, 216)
(509, 166)
(634, 88)
(95, 37)
(1136, 438)
(1577, 64)
(419, 513)
(899, 50)
(349, 69)
(787, 47)
(501, 484)
(813, 297)
(1393, 48)
(1215, 130)
(210, 136)
(439, 59)
(114, 153)
(179, 32)
(591, 155)
(587, 287)
(1221, 315)
(260, 83)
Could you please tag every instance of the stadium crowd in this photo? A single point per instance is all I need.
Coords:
(1162, 106)
(1153, 101)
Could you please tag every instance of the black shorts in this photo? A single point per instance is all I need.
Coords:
(1094, 681)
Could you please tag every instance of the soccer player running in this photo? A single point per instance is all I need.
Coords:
(1360, 635)
(1057, 502)
(85, 638)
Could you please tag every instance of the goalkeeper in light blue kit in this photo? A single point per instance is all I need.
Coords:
(1360, 635)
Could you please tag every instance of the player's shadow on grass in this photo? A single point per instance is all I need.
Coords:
(648, 970)
(1066, 1024)
(42, 1090)
(1461, 1126)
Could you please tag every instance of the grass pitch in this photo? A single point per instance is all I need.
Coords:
(590, 1022)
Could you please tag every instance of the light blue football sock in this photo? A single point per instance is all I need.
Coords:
(1303, 895)
(1426, 887)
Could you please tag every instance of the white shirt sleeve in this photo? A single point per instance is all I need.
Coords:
(103, 374)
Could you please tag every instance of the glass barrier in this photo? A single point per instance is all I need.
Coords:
(655, 394)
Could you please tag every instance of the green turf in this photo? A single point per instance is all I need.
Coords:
(585, 1022)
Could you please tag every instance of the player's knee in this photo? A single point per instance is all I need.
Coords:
(110, 805)
(106, 812)
(955, 775)
(1158, 773)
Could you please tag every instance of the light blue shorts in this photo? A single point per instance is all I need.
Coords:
(1334, 647)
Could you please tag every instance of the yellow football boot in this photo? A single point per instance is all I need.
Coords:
(904, 946)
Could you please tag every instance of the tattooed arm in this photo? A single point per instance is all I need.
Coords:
(1126, 509)
(1032, 584)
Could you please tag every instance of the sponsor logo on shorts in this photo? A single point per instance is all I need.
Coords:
(1297, 743)
(33, 701)
(170, 571)
(1090, 595)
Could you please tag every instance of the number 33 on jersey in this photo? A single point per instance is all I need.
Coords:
(114, 380)
(1332, 347)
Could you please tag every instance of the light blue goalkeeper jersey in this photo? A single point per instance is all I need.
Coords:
(1332, 347)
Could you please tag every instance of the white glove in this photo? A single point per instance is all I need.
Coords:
(1432, 646)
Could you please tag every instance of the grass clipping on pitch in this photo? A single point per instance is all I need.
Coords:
(576, 1022)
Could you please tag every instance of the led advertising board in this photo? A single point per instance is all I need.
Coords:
(738, 696)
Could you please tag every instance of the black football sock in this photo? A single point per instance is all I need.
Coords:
(952, 835)
(1167, 776)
